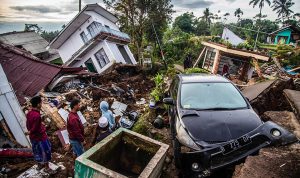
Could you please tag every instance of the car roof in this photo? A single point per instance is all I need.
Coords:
(201, 77)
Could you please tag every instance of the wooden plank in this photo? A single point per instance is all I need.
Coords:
(52, 112)
(236, 52)
(201, 54)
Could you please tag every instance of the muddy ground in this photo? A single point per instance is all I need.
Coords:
(284, 159)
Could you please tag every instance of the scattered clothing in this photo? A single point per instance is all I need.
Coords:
(75, 127)
(41, 151)
(37, 130)
(77, 147)
(104, 107)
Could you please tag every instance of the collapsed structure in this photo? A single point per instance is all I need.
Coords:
(93, 40)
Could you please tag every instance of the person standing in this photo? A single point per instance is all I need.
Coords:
(41, 146)
(187, 63)
(75, 129)
(104, 107)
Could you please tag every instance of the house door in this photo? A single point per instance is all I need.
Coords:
(90, 66)
(124, 54)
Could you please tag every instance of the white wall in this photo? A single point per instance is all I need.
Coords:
(74, 42)
(11, 111)
(99, 18)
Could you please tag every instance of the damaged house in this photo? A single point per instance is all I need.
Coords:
(22, 76)
(219, 59)
(31, 42)
(93, 40)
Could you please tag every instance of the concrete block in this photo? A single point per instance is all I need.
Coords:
(124, 153)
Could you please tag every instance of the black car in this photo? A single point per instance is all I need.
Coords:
(213, 124)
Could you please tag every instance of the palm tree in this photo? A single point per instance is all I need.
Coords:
(260, 3)
(238, 13)
(207, 16)
(282, 8)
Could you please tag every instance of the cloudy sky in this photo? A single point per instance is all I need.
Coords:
(62, 11)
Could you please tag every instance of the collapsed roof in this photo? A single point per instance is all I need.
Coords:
(27, 73)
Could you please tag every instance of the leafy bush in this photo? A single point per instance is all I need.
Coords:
(195, 70)
(158, 91)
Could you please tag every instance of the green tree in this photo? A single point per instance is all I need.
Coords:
(216, 29)
(260, 3)
(137, 16)
(49, 36)
(238, 13)
(283, 8)
(33, 27)
(201, 27)
(207, 16)
(185, 22)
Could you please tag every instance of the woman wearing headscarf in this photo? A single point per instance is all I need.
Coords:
(104, 107)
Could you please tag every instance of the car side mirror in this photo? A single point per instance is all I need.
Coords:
(169, 101)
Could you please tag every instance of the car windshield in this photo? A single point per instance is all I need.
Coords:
(211, 96)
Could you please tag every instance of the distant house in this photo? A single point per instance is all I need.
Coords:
(286, 35)
(31, 42)
(93, 40)
(219, 59)
(231, 37)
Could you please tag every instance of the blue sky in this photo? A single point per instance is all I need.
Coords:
(62, 11)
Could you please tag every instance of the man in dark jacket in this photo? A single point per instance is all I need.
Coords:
(75, 129)
(187, 63)
(41, 146)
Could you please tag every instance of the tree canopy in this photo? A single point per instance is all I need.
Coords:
(137, 18)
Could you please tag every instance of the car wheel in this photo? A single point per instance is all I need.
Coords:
(177, 152)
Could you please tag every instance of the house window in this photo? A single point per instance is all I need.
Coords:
(83, 37)
(102, 58)
(94, 28)
(90, 65)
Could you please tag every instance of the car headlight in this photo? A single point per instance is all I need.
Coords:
(185, 139)
(275, 132)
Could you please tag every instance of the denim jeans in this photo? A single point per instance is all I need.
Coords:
(77, 147)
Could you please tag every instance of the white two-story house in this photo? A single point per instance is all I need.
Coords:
(93, 40)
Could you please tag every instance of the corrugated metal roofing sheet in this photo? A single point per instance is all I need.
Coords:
(26, 73)
(31, 41)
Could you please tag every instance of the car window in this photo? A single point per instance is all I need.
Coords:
(211, 96)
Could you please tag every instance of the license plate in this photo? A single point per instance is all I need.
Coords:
(236, 144)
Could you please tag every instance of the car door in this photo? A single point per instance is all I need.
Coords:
(173, 108)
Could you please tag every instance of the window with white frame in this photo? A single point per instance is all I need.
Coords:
(83, 37)
(94, 28)
(102, 58)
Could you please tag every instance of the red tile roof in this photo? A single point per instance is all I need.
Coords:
(26, 73)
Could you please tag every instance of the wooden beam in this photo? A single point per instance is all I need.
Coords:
(216, 62)
(236, 52)
(257, 68)
(52, 112)
(201, 54)
(204, 58)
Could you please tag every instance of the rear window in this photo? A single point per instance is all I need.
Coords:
(203, 96)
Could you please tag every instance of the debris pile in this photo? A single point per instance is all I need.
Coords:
(124, 87)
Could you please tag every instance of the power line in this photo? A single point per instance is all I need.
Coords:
(246, 29)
